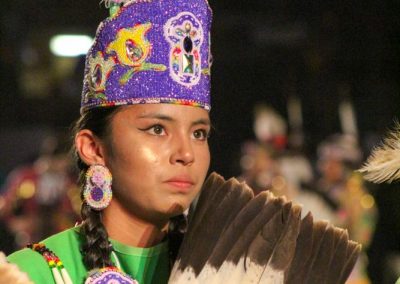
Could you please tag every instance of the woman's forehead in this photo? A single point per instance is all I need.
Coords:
(164, 110)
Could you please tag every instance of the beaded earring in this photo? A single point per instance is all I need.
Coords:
(97, 193)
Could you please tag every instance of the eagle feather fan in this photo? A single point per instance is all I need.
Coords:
(234, 237)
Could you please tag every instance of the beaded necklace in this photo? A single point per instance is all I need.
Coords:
(96, 276)
(54, 263)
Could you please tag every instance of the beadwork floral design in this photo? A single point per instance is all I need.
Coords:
(97, 76)
(132, 50)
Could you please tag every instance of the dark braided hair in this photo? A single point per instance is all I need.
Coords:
(96, 248)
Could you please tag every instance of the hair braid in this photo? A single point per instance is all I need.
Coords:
(96, 247)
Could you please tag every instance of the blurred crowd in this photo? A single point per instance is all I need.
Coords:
(326, 183)
(40, 198)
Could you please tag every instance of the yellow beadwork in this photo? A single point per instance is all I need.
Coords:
(135, 34)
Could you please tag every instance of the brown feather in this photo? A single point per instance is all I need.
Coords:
(339, 258)
(352, 253)
(319, 228)
(263, 246)
(272, 206)
(236, 228)
(226, 210)
(286, 246)
(323, 258)
(210, 188)
(298, 270)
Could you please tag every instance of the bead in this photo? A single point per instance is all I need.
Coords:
(188, 44)
(187, 64)
(133, 52)
(188, 27)
(96, 76)
(96, 194)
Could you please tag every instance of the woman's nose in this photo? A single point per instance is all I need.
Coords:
(183, 151)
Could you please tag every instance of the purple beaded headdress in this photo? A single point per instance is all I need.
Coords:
(150, 51)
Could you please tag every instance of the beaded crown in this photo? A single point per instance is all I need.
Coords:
(150, 51)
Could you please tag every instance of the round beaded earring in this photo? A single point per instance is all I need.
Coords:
(97, 193)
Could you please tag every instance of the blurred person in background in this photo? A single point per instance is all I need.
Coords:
(40, 199)
(271, 163)
(354, 207)
(259, 158)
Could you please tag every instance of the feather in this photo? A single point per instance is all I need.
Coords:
(236, 238)
(272, 206)
(319, 228)
(324, 255)
(234, 266)
(228, 238)
(383, 165)
(233, 202)
(352, 253)
(284, 249)
(338, 260)
(298, 269)
(262, 247)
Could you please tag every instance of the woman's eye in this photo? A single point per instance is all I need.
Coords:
(156, 130)
(200, 134)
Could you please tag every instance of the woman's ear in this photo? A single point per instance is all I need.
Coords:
(89, 148)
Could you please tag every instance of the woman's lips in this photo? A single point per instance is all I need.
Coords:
(183, 184)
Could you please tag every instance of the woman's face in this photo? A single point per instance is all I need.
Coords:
(158, 157)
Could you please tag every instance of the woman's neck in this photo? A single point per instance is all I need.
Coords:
(130, 230)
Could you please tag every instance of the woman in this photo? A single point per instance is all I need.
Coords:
(141, 145)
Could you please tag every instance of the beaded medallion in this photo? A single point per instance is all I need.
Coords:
(109, 275)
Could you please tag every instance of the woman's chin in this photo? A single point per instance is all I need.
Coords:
(175, 209)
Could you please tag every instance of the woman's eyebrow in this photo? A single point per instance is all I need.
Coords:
(157, 116)
(201, 121)
(204, 121)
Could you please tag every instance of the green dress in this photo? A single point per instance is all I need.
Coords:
(146, 265)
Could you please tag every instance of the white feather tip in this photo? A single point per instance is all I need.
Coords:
(383, 165)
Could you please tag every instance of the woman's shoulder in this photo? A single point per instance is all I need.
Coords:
(64, 240)
(65, 245)
(57, 242)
